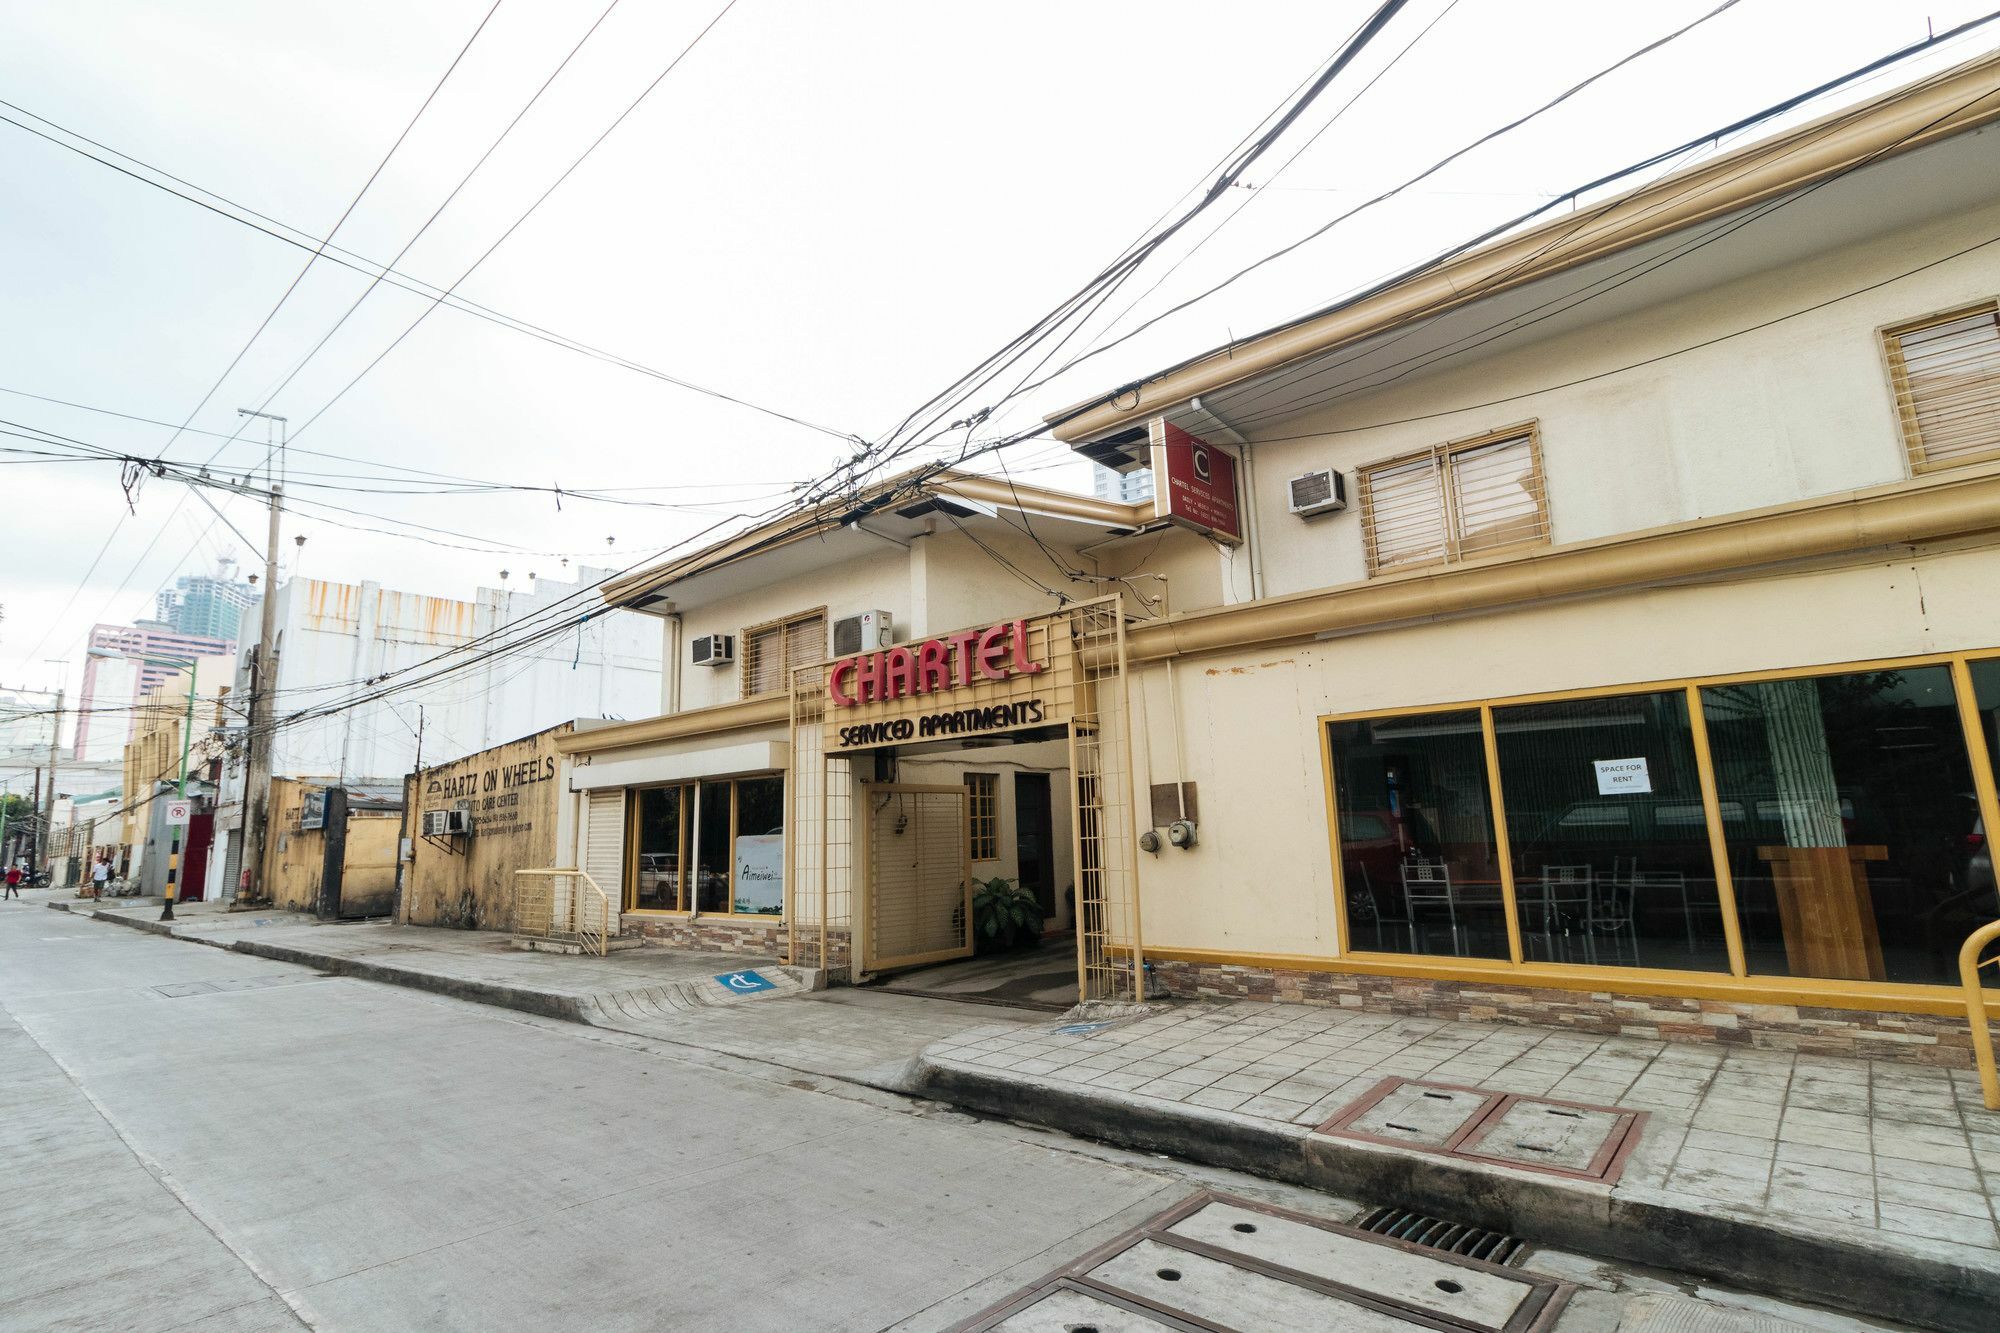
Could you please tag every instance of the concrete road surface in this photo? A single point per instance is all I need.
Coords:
(196, 1139)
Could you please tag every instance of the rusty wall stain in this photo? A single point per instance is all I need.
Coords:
(1250, 669)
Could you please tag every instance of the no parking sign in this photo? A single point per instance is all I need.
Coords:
(179, 812)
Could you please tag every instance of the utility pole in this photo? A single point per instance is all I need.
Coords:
(49, 811)
(263, 688)
(174, 852)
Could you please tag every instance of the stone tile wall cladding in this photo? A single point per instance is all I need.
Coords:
(1925, 1039)
(723, 934)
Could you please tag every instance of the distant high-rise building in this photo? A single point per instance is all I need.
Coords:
(208, 606)
(116, 675)
(1134, 487)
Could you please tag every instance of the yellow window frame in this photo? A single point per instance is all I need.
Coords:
(684, 891)
(1440, 456)
(1892, 336)
(1739, 983)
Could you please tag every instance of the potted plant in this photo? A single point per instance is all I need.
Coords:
(1004, 916)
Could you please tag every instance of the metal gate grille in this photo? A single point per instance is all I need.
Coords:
(919, 876)
(1109, 952)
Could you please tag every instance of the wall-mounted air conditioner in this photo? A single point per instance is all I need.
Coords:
(1321, 492)
(714, 650)
(437, 823)
(863, 633)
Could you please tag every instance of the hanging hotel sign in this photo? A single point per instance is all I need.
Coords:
(1009, 676)
(1194, 483)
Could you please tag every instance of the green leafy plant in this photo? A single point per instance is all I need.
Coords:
(1004, 915)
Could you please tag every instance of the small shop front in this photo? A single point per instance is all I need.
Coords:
(1814, 836)
(922, 768)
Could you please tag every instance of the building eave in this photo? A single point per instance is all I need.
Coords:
(1903, 120)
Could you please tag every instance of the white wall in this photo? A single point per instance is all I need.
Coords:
(1798, 409)
(334, 635)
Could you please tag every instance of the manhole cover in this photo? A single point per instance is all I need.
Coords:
(1553, 1136)
(1222, 1263)
(1531, 1133)
(1430, 1115)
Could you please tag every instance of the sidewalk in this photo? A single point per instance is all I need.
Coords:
(666, 995)
(1866, 1185)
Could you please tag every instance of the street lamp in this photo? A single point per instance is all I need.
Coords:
(192, 666)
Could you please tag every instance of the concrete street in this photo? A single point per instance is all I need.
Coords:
(282, 1149)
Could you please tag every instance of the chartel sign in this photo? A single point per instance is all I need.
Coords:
(969, 657)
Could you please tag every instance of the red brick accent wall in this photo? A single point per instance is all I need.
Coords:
(1913, 1038)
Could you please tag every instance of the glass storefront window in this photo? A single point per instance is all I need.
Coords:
(1608, 834)
(1979, 880)
(1416, 836)
(1848, 806)
(739, 866)
(759, 879)
(711, 869)
(661, 844)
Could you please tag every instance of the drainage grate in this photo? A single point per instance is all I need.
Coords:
(1434, 1233)
(1220, 1264)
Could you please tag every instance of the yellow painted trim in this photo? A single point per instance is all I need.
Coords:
(803, 524)
(1942, 506)
(1342, 932)
(1974, 725)
(1718, 834)
(1902, 120)
(1871, 997)
(1503, 849)
(1673, 683)
(759, 711)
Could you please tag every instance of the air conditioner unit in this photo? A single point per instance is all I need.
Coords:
(863, 633)
(458, 819)
(437, 823)
(1319, 492)
(714, 650)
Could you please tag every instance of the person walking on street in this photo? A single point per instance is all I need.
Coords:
(100, 875)
(13, 882)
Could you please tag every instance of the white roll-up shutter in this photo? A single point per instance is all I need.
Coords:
(604, 843)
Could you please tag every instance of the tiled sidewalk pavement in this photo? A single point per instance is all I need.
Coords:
(1862, 1146)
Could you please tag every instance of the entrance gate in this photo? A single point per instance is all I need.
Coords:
(1061, 673)
(918, 892)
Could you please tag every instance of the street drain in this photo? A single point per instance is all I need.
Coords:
(1433, 1233)
(1220, 1264)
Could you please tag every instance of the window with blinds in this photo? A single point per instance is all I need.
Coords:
(1946, 375)
(982, 815)
(1455, 501)
(772, 652)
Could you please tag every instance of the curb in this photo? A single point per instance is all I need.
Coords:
(547, 1004)
(1794, 1264)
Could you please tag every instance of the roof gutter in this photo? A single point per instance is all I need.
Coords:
(1949, 506)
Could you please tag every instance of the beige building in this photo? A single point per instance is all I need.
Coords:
(1594, 627)
(1647, 680)
(757, 805)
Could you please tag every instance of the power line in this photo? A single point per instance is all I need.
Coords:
(672, 65)
(324, 249)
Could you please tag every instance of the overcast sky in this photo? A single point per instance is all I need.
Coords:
(827, 209)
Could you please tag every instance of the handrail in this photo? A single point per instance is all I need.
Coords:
(586, 919)
(1969, 963)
